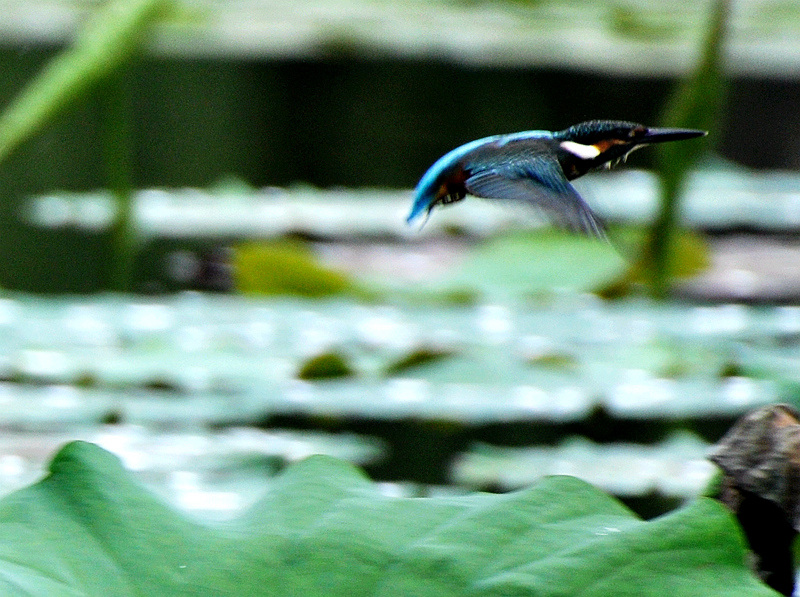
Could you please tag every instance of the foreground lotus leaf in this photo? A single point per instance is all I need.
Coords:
(89, 528)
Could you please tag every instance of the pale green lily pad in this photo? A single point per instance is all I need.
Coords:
(530, 263)
(327, 365)
(285, 267)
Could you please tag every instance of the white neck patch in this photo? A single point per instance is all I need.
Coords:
(585, 152)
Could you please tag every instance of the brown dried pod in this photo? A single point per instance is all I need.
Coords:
(761, 454)
(760, 460)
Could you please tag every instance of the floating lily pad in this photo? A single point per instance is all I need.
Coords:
(285, 267)
(555, 360)
(417, 358)
(528, 263)
(328, 365)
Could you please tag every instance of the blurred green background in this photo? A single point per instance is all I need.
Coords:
(363, 95)
(275, 142)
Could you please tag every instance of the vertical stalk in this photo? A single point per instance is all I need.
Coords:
(696, 104)
(117, 147)
(663, 240)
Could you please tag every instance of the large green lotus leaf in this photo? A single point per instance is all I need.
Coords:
(324, 529)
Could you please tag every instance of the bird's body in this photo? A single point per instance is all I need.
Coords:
(535, 167)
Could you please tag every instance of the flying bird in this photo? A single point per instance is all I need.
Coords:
(535, 167)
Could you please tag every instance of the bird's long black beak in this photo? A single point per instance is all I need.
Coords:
(659, 135)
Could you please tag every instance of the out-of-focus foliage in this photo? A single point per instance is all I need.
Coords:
(110, 39)
(284, 267)
(101, 48)
(529, 263)
(690, 256)
(696, 104)
(328, 365)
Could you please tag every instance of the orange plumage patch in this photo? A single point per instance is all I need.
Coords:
(605, 144)
(452, 189)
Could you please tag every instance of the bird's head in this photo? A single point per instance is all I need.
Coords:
(596, 143)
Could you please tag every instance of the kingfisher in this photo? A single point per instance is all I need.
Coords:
(536, 167)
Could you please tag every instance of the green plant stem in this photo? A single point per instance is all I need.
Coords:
(115, 100)
(696, 104)
(108, 40)
(665, 231)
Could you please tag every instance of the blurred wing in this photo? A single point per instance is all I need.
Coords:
(539, 182)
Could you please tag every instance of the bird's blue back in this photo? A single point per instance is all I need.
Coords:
(425, 193)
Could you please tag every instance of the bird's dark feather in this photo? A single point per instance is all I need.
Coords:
(536, 181)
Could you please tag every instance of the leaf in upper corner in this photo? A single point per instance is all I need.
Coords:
(110, 38)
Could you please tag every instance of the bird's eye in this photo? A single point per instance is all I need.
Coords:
(637, 131)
